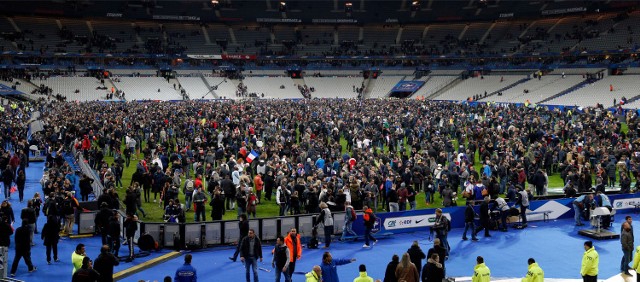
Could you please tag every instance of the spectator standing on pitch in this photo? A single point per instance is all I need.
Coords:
(406, 270)
(280, 261)
(626, 239)
(433, 271)
(363, 277)
(186, 273)
(77, 256)
(294, 245)
(441, 227)
(416, 255)
(86, 273)
(469, 222)
(534, 272)
(590, 261)
(105, 263)
(250, 253)
(390, 272)
(243, 226)
(315, 275)
(369, 222)
(349, 218)
(326, 219)
(481, 272)
(23, 249)
(328, 266)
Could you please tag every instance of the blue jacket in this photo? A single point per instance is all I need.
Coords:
(329, 271)
(186, 273)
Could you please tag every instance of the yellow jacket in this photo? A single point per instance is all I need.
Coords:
(590, 262)
(363, 277)
(534, 274)
(481, 273)
(312, 277)
(636, 260)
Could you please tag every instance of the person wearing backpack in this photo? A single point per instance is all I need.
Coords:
(369, 222)
(188, 192)
(349, 218)
(69, 205)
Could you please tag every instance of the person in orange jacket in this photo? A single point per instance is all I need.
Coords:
(257, 180)
(292, 240)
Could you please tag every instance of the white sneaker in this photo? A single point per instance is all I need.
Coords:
(366, 246)
(375, 242)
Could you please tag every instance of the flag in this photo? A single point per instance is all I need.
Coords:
(252, 156)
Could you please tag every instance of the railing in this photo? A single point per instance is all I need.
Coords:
(84, 167)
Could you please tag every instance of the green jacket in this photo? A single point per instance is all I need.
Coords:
(363, 278)
(636, 260)
(590, 261)
(534, 274)
(481, 273)
(312, 277)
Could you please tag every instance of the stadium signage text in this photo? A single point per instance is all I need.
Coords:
(401, 222)
(114, 15)
(276, 20)
(334, 21)
(564, 11)
(176, 18)
(506, 15)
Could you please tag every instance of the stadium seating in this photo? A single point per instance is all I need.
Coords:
(598, 92)
(477, 86)
(146, 88)
(195, 87)
(270, 86)
(538, 89)
(433, 84)
(383, 85)
(67, 86)
(334, 87)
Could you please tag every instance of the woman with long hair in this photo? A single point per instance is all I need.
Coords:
(406, 270)
(21, 180)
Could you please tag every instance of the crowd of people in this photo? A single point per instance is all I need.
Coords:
(321, 155)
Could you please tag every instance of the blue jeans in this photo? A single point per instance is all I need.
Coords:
(347, 229)
(412, 205)
(427, 196)
(188, 197)
(469, 225)
(626, 259)
(577, 212)
(279, 271)
(402, 206)
(251, 262)
(368, 236)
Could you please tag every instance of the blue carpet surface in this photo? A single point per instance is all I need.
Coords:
(555, 245)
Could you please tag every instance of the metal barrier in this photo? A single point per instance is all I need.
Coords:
(84, 167)
(224, 232)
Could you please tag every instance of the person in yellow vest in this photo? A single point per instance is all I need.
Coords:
(481, 272)
(636, 261)
(590, 261)
(315, 275)
(363, 277)
(534, 272)
(77, 256)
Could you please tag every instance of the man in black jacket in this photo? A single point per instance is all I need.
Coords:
(86, 272)
(23, 249)
(469, 222)
(229, 190)
(5, 232)
(243, 226)
(113, 231)
(484, 218)
(130, 228)
(102, 221)
(28, 216)
(250, 253)
(105, 263)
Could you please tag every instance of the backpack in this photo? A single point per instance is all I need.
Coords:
(353, 214)
(189, 185)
